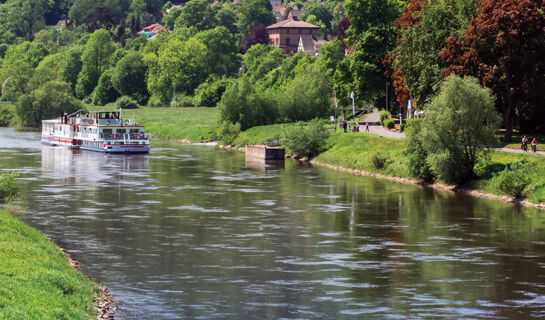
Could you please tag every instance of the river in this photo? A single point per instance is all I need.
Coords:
(194, 232)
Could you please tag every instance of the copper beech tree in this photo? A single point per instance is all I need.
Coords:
(505, 49)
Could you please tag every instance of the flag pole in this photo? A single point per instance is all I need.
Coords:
(335, 92)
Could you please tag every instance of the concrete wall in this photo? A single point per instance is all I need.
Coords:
(265, 153)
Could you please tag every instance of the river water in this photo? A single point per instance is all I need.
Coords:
(190, 231)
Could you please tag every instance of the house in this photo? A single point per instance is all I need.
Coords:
(151, 31)
(294, 14)
(291, 34)
(64, 24)
(278, 11)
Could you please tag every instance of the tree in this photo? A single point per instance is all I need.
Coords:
(331, 54)
(254, 12)
(178, 67)
(422, 37)
(70, 66)
(94, 59)
(320, 12)
(460, 124)
(23, 17)
(104, 92)
(96, 14)
(50, 100)
(258, 35)
(129, 77)
(371, 36)
(196, 13)
(504, 48)
(221, 58)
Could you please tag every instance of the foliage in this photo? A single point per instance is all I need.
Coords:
(8, 187)
(257, 35)
(388, 123)
(209, 93)
(196, 13)
(221, 56)
(129, 77)
(254, 12)
(71, 66)
(459, 125)
(7, 114)
(94, 59)
(228, 133)
(50, 100)
(126, 102)
(306, 139)
(504, 48)
(380, 160)
(417, 153)
(383, 115)
(371, 36)
(331, 54)
(181, 100)
(514, 179)
(422, 33)
(104, 92)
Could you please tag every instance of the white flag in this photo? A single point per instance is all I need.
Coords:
(353, 105)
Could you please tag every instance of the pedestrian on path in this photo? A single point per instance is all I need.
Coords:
(524, 145)
(366, 125)
(534, 145)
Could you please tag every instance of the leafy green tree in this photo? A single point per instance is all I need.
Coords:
(96, 14)
(169, 19)
(23, 17)
(46, 71)
(418, 49)
(320, 12)
(70, 66)
(331, 54)
(209, 93)
(129, 77)
(260, 59)
(306, 139)
(95, 60)
(196, 13)
(254, 12)
(178, 67)
(16, 79)
(104, 92)
(45, 102)
(222, 57)
(371, 35)
(307, 96)
(460, 124)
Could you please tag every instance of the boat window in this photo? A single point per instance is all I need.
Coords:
(135, 130)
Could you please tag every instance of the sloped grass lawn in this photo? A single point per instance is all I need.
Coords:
(193, 124)
(36, 281)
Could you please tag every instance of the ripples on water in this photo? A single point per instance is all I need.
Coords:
(194, 232)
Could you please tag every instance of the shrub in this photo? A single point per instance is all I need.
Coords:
(155, 101)
(126, 102)
(7, 115)
(8, 187)
(383, 115)
(402, 127)
(514, 179)
(380, 160)
(228, 133)
(209, 93)
(306, 139)
(181, 101)
(389, 123)
(417, 153)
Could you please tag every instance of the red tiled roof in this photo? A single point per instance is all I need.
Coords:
(290, 23)
(154, 28)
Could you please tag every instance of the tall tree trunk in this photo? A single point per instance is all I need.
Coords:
(508, 115)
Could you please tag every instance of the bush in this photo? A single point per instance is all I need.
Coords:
(402, 127)
(209, 93)
(380, 160)
(155, 101)
(228, 133)
(8, 187)
(514, 179)
(389, 123)
(7, 115)
(126, 102)
(383, 115)
(417, 153)
(306, 139)
(181, 101)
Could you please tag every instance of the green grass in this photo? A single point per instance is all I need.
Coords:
(193, 124)
(36, 281)
(258, 135)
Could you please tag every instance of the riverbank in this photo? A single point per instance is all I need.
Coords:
(40, 281)
(354, 153)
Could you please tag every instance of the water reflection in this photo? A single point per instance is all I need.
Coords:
(196, 232)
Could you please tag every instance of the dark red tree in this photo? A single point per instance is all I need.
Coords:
(505, 49)
(406, 20)
(258, 34)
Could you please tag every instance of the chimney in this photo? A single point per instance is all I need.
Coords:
(295, 18)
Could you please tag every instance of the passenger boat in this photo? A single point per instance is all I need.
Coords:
(104, 131)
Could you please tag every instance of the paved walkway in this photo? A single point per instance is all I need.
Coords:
(376, 128)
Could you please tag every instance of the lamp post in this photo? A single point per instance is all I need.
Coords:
(386, 95)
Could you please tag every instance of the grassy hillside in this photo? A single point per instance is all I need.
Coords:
(36, 280)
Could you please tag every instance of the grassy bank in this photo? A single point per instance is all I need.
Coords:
(193, 124)
(356, 151)
(36, 279)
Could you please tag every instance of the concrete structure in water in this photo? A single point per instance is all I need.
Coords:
(262, 152)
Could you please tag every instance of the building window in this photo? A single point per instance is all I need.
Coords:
(288, 41)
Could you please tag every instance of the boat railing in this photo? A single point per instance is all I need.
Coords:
(126, 136)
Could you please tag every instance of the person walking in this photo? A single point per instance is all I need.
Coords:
(366, 125)
(349, 127)
(534, 145)
(524, 143)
